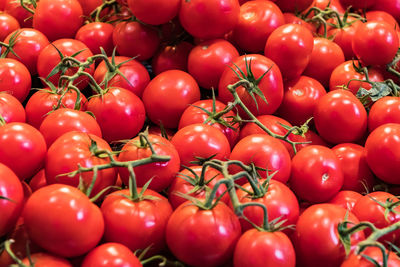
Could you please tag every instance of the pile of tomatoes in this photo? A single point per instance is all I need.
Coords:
(200, 133)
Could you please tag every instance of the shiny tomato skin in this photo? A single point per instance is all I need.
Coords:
(375, 253)
(207, 61)
(15, 9)
(23, 149)
(79, 223)
(11, 110)
(256, 248)
(171, 57)
(154, 12)
(111, 255)
(136, 224)
(316, 174)
(11, 208)
(290, 46)
(58, 18)
(377, 15)
(257, 20)
(385, 110)
(95, 35)
(383, 152)
(168, 95)
(191, 232)
(15, 78)
(8, 24)
(310, 138)
(318, 225)
(42, 259)
(209, 19)
(344, 37)
(340, 117)
(346, 199)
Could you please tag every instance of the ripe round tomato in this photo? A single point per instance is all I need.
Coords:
(383, 152)
(171, 57)
(340, 117)
(58, 18)
(136, 224)
(390, 6)
(258, 248)
(344, 37)
(15, 9)
(191, 232)
(154, 12)
(316, 174)
(11, 110)
(43, 259)
(168, 95)
(209, 19)
(63, 221)
(8, 24)
(88, 6)
(15, 78)
(385, 110)
(111, 255)
(377, 15)
(95, 35)
(346, 199)
(374, 253)
(290, 46)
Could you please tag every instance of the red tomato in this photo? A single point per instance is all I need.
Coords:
(299, 99)
(258, 248)
(44, 259)
(379, 37)
(111, 255)
(317, 225)
(168, 95)
(257, 20)
(161, 173)
(356, 4)
(383, 152)
(134, 39)
(88, 6)
(154, 12)
(263, 151)
(71, 149)
(356, 173)
(340, 117)
(200, 140)
(390, 6)
(136, 224)
(209, 19)
(344, 37)
(171, 57)
(191, 232)
(14, 78)
(346, 199)
(23, 149)
(291, 18)
(385, 110)
(12, 204)
(316, 174)
(333, 4)
(8, 24)
(270, 85)
(310, 138)
(293, 5)
(377, 15)
(95, 35)
(63, 221)
(65, 120)
(11, 110)
(119, 103)
(374, 253)
(58, 18)
(290, 47)
(208, 60)
(15, 9)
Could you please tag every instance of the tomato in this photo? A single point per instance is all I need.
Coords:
(15, 9)
(372, 208)
(71, 149)
(263, 151)
(136, 224)
(14, 78)
(43, 101)
(161, 173)
(12, 204)
(374, 253)
(333, 4)
(65, 120)
(63, 221)
(358, 4)
(208, 60)
(171, 57)
(11, 110)
(258, 248)
(291, 18)
(344, 37)
(316, 174)
(130, 75)
(390, 6)
(50, 57)
(257, 20)
(377, 15)
(200, 141)
(356, 173)
(317, 225)
(385, 110)
(290, 47)
(168, 95)
(340, 117)
(45, 259)
(119, 103)
(279, 200)
(88, 6)
(310, 138)
(270, 85)
(95, 35)
(27, 45)
(23, 149)
(191, 232)
(383, 152)
(8, 24)
(346, 199)
(111, 255)
(154, 12)
(377, 36)
(209, 19)
(293, 6)
(134, 39)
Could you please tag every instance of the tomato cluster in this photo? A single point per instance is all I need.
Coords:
(199, 133)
